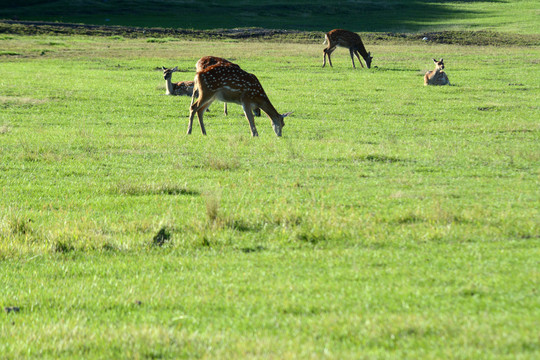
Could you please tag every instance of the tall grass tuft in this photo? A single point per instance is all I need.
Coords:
(212, 203)
(221, 163)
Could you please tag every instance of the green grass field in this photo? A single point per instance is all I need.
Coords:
(391, 220)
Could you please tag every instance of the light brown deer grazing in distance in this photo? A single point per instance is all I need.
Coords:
(232, 84)
(179, 88)
(437, 76)
(346, 39)
(206, 62)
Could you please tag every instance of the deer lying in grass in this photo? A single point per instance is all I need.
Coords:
(437, 76)
(349, 40)
(206, 62)
(179, 88)
(232, 84)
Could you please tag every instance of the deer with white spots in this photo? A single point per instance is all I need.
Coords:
(437, 76)
(179, 88)
(349, 40)
(206, 62)
(232, 84)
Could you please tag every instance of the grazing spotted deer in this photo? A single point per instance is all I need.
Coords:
(232, 84)
(206, 62)
(437, 76)
(179, 88)
(349, 40)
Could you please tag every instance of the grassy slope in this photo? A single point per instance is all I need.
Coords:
(390, 15)
(384, 223)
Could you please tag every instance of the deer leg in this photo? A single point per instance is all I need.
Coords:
(192, 110)
(225, 109)
(249, 116)
(198, 107)
(194, 96)
(351, 51)
(328, 51)
(358, 56)
(190, 123)
(200, 113)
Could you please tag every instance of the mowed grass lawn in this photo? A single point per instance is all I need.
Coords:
(391, 220)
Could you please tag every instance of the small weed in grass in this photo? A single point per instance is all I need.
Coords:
(63, 246)
(253, 249)
(163, 235)
(20, 226)
(108, 247)
(12, 309)
(205, 242)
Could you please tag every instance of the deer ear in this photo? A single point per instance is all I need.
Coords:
(163, 68)
(175, 68)
(435, 60)
(286, 114)
(442, 60)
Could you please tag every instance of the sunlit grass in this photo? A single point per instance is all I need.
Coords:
(391, 220)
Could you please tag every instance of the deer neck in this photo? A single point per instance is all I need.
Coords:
(270, 110)
(362, 50)
(438, 72)
(433, 75)
(169, 87)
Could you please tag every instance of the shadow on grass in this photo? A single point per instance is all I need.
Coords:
(367, 15)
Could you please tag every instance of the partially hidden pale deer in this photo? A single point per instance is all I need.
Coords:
(437, 76)
(178, 88)
(349, 40)
(206, 62)
(232, 84)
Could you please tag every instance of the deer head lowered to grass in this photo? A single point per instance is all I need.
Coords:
(349, 40)
(232, 84)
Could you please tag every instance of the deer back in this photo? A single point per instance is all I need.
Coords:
(230, 79)
(183, 88)
(344, 38)
(208, 61)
